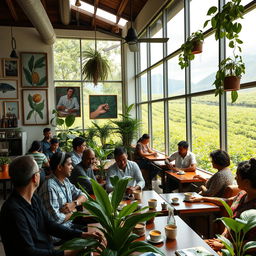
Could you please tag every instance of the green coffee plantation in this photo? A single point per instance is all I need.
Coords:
(241, 127)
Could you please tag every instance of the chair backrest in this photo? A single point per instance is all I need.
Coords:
(231, 190)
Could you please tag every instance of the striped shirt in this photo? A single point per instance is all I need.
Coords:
(40, 158)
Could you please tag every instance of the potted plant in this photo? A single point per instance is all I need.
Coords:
(95, 66)
(237, 229)
(4, 163)
(127, 128)
(103, 132)
(117, 226)
(192, 46)
(228, 76)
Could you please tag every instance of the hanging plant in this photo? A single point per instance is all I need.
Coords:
(192, 46)
(95, 66)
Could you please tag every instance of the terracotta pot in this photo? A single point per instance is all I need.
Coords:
(198, 47)
(5, 167)
(231, 83)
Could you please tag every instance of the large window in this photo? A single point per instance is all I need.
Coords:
(68, 54)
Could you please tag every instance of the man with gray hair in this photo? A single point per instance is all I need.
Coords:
(25, 225)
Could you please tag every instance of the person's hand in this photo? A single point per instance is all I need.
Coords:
(129, 190)
(215, 244)
(155, 154)
(95, 235)
(68, 208)
(198, 177)
(101, 109)
(194, 199)
(62, 108)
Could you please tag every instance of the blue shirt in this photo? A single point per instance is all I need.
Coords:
(45, 145)
(49, 153)
(76, 158)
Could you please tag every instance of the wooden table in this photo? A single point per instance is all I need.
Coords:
(192, 210)
(4, 178)
(159, 157)
(186, 237)
(186, 178)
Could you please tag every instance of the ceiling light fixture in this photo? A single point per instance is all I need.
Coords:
(13, 43)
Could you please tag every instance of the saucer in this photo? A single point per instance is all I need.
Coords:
(161, 239)
(180, 172)
(120, 207)
(175, 203)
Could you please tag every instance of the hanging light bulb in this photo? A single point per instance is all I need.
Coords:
(13, 43)
(78, 3)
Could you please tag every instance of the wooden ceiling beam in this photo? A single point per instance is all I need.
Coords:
(121, 9)
(96, 4)
(12, 9)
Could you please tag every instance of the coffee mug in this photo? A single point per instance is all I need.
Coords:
(175, 200)
(139, 229)
(164, 206)
(137, 194)
(152, 203)
(188, 195)
(171, 231)
(155, 235)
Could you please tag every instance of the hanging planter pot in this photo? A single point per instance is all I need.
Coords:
(231, 83)
(197, 47)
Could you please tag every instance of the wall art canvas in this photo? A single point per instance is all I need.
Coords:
(8, 89)
(10, 68)
(11, 108)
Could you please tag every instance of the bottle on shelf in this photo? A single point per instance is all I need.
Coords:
(171, 219)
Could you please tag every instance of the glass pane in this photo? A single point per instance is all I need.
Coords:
(143, 87)
(175, 26)
(177, 123)
(158, 126)
(157, 82)
(245, 2)
(144, 118)
(176, 78)
(101, 89)
(205, 128)
(248, 36)
(143, 55)
(198, 11)
(67, 59)
(241, 127)
(204, 66)
(156, 49)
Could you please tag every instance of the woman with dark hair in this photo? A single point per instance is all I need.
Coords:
(244, 200)
(216, 185)
(141, 151)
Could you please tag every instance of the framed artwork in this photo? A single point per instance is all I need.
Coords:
(68, 101)
(1, 69)
(10, 68)
(35, 107)
(34, 72)
(11, 108)
(8, 89)
(103, 106)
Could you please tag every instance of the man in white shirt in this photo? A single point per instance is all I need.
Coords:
(125, 168)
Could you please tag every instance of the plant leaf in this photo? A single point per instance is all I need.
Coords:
(40, 114)
(234, 96)
(40, 63)
(69, 120)
(31, 63)
(30, 114)
(28, 76)
(42, 81)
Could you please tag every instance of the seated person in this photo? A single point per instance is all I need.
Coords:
(45, 143)
(216, 185)
(125, 168)
(54, 147)
(141, 151)
(84, 169)
(25, 225)
(184, 159)
(244, 200)
(39, 157)
(59, 196)
(78, 149)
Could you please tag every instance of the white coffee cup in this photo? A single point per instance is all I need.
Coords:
(139, 229)
(188, 195)
(152, 203)
(171, 231)
(175, 200)
(137, 194)
(155, 235)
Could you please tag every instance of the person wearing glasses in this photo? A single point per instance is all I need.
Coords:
(26, 226)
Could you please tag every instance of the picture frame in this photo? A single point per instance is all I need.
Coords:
(35, 107)
(11, 107)
(1, 69)
(34, 69)
(102, 106)
(61, 102)
(10, 68)
(8, 89)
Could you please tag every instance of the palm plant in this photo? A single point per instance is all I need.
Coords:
(237, 229)
(116, 226)
(95, 66)
(103, 132)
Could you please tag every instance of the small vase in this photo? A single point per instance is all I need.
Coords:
(5, 167)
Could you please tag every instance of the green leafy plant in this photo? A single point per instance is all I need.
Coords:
(31, 74)
(116, 226)
(5, 160)
(65, 133)
(229, 67)
(128, 127)
(95, 66)
(37, 105)
(103, 132)
(237, 229)
(187, 48)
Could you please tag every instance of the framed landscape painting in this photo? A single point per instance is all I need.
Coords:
(35, 107)
(103, 106)
(10, 68)
(11, 108)
(34, 69)
(8, 89)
